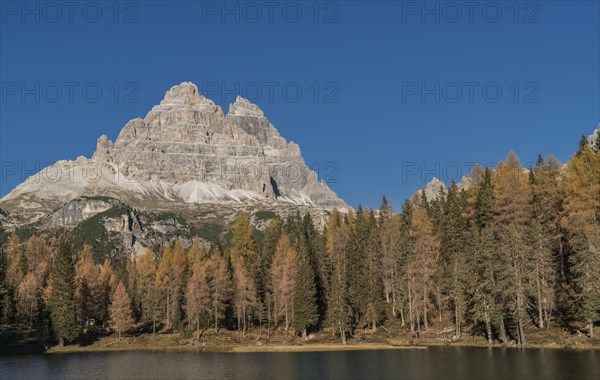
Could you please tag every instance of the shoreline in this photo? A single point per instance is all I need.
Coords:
(310, 347)
(265, 348)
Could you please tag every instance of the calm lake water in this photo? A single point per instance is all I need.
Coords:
(431, 363)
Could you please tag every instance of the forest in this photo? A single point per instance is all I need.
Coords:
(519, 249)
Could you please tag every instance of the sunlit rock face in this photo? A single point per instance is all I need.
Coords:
(185, 151)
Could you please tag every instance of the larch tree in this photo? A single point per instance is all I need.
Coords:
(29, 299)
(513, 211)
(581, 220)
(121, 317)
(422, 265)
(171, 274)
(219, 285)
(197, 296)
(148, 289)
(245, 299)
(283, 272)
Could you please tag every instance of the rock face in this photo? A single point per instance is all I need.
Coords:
(185, 151)
(433, 189)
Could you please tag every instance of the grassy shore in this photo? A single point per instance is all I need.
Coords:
(233, 343)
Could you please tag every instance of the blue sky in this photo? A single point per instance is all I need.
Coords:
(380, 96)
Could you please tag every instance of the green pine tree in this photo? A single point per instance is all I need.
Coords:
(305, 295)
(63, 308)
(484, 203)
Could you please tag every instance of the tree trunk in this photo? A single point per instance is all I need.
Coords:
(561, 258)
(343, 335)
(591, 329)
(410, 310)
(456, 322)
(439, 299)
(521, 333)
(503, 337)
(488, 328)
(198, 328)
(539, 296)
(402, 316)
(216, 319)
(168, 309)
(425, 322)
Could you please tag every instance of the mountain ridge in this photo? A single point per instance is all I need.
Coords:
(185, 150)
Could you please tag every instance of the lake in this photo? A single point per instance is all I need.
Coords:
(431, 363)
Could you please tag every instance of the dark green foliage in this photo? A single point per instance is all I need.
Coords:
(209, 231)
(92, 231)
(265, 215)
(305, 295)
(63, 310)
(484, 206)
(583, 142)
(365, 279)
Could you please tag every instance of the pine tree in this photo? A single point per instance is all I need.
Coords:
(453, 254)
(583, 144)
(485, 200)
(107, 284)
(482, 285)
(338, 242)
(543, 274)
(305, 295)
(88, 293)
(120, 310)
(63, 310)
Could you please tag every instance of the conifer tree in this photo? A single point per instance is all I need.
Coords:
(245, 299)
(305, 295)
(63, 310)
(120, 310)
(283, 271)
(148, 289)
(197, 296)
(422, 264)
(338, 242)
(453, 264)
(29, 299)
(581, 220)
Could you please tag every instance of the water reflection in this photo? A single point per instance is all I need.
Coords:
(432, 363)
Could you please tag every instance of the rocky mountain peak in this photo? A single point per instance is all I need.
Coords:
(185, 93)
(243, 107)
(185, 150)
(433, 189)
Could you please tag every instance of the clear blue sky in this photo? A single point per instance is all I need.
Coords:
(369, 73)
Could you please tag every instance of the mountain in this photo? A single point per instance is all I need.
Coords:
(184, 157)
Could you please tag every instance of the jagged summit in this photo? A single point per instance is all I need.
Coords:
(185, 150)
